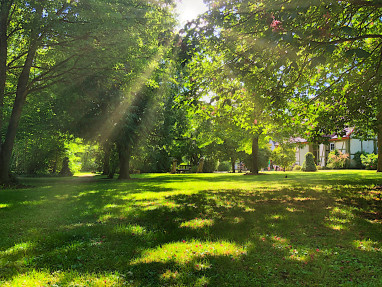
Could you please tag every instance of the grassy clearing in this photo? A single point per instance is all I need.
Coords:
(308, 229)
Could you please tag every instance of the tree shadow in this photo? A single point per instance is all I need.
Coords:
(260, 237)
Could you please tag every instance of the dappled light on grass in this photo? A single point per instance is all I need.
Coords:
(71, 278)
(22, 248)
(197, 223)
(339, 218)
(185, 252)
(368, 245)
(152, 231)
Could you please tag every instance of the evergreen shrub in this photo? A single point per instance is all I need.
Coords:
(224, 166)
(210, 165)
(357, 159)
(308, 164)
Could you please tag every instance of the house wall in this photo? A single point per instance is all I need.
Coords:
(340, 145)
(322, 154)
(357, 145)
(301, 151)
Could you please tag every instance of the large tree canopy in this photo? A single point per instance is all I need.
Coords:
(46, 42)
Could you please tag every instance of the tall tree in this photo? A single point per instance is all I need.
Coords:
(43, 42)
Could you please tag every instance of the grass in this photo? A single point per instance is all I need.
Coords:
(309, 229)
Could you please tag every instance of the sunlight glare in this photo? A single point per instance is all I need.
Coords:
(188, 10)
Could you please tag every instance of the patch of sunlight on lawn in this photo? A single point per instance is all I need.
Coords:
(339, 218)
(59, 278)
(185, 252)
(130, 229)
(4, 205)
(18, 248)
(197, 223)
(368, 245)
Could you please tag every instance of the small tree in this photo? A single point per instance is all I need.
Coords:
(283, 156)
(308, 164)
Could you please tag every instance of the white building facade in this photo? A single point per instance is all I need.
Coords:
(346, 144)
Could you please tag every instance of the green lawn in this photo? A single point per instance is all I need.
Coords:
(308, 229)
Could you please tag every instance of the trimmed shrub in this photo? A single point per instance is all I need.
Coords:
(210, 165)
(318, 167)
(309, 164)
(337, 160)
(369, 161)
(297, 167)
(224, 166)
(357, 159)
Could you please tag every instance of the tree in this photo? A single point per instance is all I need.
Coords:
(232, 66)
(334, 48)
(284, 156)
(45, 42)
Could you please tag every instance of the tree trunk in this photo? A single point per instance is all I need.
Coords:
(255, 155)
(106, 159)
(21, 94)
(4, 14)
(379, 141)
(233, 160)
(124, 162)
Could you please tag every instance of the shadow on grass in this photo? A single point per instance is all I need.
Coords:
(293, 236)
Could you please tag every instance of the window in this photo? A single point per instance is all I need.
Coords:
(332, 146)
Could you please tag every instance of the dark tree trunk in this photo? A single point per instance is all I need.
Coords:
(379, 141)
(233, 160)
(124, 162)
(255, 155)
(4, 14)
(106, 159)
(21, 94)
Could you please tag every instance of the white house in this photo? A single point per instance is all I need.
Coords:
(346, 144)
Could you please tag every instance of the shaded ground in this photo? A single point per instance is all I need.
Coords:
(194, 230)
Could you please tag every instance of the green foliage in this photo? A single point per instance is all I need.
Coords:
(264, 156)
(337, 160)
(224, 166)
(369, 161)
(357, 159)
(284, 156)
(297, 167)
(210, 165)
(308, 164)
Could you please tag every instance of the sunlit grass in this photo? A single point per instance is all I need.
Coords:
(308, 229)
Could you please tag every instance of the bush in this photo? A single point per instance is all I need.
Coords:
(264, 155)
(224, 166)
(318, 167)
(370, 161)
(297, 167)
(337, 160)
(309, 164)
(210, 165)
(357, 159)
